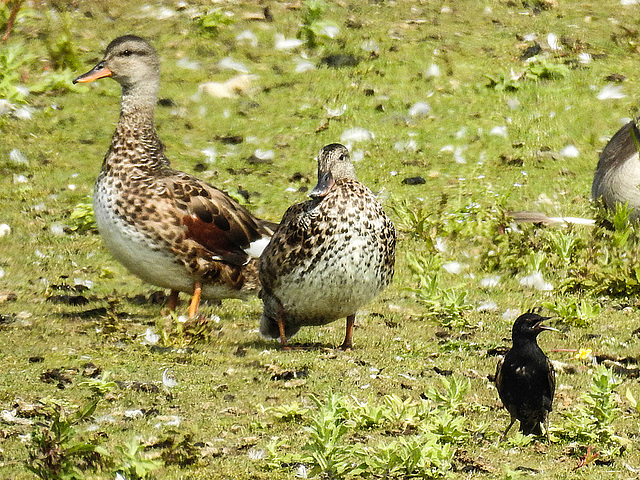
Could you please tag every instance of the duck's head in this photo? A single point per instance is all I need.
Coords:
(334, 163)
(129, 60)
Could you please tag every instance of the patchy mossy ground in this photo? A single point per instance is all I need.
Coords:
(493, 141)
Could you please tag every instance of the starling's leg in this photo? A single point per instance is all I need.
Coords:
(195, 300)
(280, 320)
(348, 344)
(504, 435)
(546, 429)
(173, 300)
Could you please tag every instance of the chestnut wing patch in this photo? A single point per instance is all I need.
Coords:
(214, 220)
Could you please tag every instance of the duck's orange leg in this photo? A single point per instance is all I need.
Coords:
(195, 300)
(348, 344)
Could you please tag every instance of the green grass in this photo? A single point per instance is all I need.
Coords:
(246, 408)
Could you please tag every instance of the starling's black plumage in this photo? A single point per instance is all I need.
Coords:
(525, 377)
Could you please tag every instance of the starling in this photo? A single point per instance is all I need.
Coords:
(525, 377)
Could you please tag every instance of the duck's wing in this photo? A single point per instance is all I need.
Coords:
(216, 221)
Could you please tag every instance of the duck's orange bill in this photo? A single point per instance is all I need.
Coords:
(99, 71)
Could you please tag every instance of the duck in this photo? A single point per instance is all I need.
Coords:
(617, 176)
(525, 377)
(167, 227)
(329, 256)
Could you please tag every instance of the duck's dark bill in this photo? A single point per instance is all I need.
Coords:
(99, 71)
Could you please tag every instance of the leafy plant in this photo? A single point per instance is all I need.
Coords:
(213, 22)
(453, 397)
(82, 218)
(574, 312)
(313, 26)
(55, 452)
(543, 69)
(12, 58)
(100, 386)
(289, 412)
(133, 465)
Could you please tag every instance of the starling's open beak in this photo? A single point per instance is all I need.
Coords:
(99, 71)
(540, 326)
(325, 182)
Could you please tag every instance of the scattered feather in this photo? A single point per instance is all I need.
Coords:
(570, 151)
(188, 64)
(264, 154)
(441, 245)
(5, 230)
(419, 108)
(5, 107)
(282, 43)
(248, 37)
(137, 413)
(405, 146)
(487, 306)
(150, 337)
(536, 281)
(513, 103)
(303, 65)
(335, 112)
(57, 229)
(331, 31)
(356, 134)
(370, 46)
(454, 268)
(585, 58)
(255, 454)
(168, 380)
(357, 156)
(611, 92)
(510, 314)
(499, 131)
(432, 71)
(491, 281)
(553, 42)
(23, 113)
(229, 63)
(233, 87)
(210, 153)
(17, 158)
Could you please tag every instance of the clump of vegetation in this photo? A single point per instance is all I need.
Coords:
(313, 25)
(213, 22)
(56, 452)
(13, 58)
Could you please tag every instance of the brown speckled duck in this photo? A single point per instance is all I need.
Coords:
(167, 227)
(330, 255)
(617, 177)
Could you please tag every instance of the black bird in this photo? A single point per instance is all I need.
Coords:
(525, 378)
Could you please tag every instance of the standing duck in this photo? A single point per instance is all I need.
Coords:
(525, 377)
(330, 255)
(617, 177)
(167, 227)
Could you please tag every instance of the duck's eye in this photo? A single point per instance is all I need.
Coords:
(127, 53)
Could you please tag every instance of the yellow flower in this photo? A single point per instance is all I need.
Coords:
(583, 354)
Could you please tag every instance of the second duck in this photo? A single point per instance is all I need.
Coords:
(330, 255)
